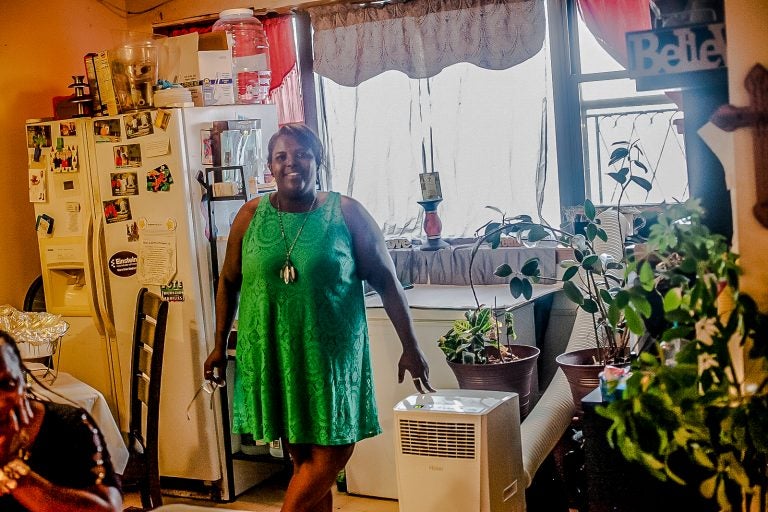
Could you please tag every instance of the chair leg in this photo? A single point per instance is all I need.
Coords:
(153, 484)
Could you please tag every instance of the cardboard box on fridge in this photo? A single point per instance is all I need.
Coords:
(203, 64)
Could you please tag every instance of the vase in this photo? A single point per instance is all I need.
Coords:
(582, 372)
(512, 376)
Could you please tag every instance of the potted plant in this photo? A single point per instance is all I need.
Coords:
(594, 279)
(473, 350)
(689, 414)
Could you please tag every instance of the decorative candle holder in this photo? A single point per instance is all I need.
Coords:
(433, 227)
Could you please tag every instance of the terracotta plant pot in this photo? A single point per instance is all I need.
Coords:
(581, 372)
(508, 376)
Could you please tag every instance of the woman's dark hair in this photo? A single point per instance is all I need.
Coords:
(304, 135)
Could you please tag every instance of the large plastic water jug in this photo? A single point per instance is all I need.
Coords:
(250, 54)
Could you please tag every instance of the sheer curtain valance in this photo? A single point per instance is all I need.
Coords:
(422, 37)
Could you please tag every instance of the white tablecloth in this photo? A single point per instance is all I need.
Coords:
(92, 401)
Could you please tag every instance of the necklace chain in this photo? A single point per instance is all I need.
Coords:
(288, 271)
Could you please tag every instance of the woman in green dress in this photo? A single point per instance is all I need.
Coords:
(296, 260)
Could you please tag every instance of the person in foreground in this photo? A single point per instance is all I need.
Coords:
(297, 259)
(52, 456)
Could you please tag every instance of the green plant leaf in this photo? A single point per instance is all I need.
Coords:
(569, 273)
(590, 306)
(619, 177)
(634, 322)
(641, 305)
(537, 233)
(527, 289)
(590, 261)
(602, 235)
(614, 314)
(530, 267)
(589, 210)
(497, 210)
(621, 299)
(516, 287)
(606, 296)
(642, 182)
(573, 293)
(673, 299)
(618, 154)
(503, 270)
(591, 231)
(646, 276)
(640, 165)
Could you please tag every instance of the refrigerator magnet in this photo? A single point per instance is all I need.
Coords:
(107, 130)
(38, 137)
(123, 263)
(117, 210)
(138, 124)
(159, 179)
(37, 186)
(67, 129)
(44, 224)
(159, 147)
(64, 159)
(173, 291)
(124, 183)
(132, 231)
(127, 156)
(162, 119)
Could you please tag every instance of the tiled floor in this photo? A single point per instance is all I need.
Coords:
(268, 496)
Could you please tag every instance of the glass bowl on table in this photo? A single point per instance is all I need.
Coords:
(38, 335)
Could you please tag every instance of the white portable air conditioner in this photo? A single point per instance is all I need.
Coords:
(459, 451)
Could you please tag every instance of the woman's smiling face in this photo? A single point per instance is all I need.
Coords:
(294, 166)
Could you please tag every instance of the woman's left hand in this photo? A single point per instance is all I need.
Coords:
(413, 360)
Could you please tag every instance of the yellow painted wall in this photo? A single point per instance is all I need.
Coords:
(747, 45)
(41, 46)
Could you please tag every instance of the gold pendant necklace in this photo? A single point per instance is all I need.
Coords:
(288, 271)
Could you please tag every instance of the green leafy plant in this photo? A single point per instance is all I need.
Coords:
(693, 418)
(593, 280)
(469, 339)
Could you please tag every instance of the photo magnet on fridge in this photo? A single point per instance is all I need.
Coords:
(124, 183)
(64, 159)
(138, 124)
(38, 137)
(67, 129)
(37, 186)
(107, 130)
(127, 156)
(117, 210)
(162, 119)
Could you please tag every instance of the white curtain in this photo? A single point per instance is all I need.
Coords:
(422, 37)
(485, 131)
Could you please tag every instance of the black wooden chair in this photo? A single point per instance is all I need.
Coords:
(146, 373)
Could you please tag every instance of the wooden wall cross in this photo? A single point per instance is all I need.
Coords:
(729, 118)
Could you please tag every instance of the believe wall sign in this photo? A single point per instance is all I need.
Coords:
(677, 56)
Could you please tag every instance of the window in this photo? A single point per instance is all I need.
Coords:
(608, 110)
(491, 136)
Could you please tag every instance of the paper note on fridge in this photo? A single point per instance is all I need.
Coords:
(157, 260)
(156, 148)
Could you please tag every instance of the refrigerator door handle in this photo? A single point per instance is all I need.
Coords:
(105, 305)
(96, 314)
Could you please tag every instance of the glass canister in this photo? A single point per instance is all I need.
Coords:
(250, 54)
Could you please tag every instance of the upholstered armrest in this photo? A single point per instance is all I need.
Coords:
(546, 423)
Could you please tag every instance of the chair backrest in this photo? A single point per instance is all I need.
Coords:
(147, 367)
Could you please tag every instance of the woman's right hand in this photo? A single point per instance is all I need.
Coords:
(215, 365)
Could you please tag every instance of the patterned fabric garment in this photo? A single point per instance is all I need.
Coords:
(303, 370)
(69, 451)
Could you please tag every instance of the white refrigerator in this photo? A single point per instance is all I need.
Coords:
(142, 220)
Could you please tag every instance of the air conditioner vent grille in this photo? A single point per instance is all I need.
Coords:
(437, 439)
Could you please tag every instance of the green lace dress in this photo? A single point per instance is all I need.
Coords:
(303, 370)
